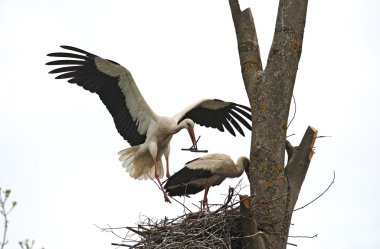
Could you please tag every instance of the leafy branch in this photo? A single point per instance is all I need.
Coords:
(4, 211)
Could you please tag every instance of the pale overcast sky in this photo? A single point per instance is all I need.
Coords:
(59, 145)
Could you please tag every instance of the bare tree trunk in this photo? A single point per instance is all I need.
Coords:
(276, 185)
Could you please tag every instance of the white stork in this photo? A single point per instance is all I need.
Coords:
(147, 133)
(203, 173)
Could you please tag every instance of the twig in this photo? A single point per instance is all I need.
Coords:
(290, 135)
(198, 207)
(194, 147)
(111, 230)
(303, 236)
(323, 136)
(135, 231)
(233, 204)
(160, 188)
(182, 204)
(295, 110)
(250, 236)
(270, 201)
(117, 244)
(228, 200)
(317, 196)
(195, 150)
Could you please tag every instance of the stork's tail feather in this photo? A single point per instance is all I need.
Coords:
(139, 164)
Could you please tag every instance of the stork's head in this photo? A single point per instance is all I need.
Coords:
(189, 125)
(244, 162)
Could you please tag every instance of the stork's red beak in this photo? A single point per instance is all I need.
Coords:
(192, 136)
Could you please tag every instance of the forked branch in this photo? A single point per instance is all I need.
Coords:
(248, 46)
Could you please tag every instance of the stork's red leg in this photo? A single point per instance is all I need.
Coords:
(167, 167)
(158, 180)
(166, 154)
(205, 201)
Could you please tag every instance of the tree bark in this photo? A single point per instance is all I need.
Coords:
(248, 225)
(275, 184)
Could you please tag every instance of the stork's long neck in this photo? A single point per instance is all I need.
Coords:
(168, 126)
(180, 126)
(242, 164)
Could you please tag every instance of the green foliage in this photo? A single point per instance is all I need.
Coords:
(4, 212)
(26, 244)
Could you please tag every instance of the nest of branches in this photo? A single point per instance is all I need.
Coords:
(232, 225)
(217, 229)
(197, 230)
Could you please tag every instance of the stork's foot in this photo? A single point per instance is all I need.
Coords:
(205, 207)
(162, 188)
(166, 198)
(167, 174)
(163, 191)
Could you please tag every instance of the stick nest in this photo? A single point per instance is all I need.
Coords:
(197, 230)
(217, 229)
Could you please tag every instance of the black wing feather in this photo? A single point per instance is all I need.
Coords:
(181, 183)
(65, 75)
(244, 113)
(241, 119)
(226, 123)
(81, 51)
(81, 70)
(222, 117)
(66, 62)
(244, 107)
(66, 69)
(68, 55)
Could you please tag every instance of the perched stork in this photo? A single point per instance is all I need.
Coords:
(203, 173)
(147, 133)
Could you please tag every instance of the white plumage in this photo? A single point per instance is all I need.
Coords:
(147, 133)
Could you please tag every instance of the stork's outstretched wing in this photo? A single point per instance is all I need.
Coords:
(114, 85)
(218, 114)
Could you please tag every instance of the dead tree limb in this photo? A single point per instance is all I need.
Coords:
(248, 225)
(299, 163)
